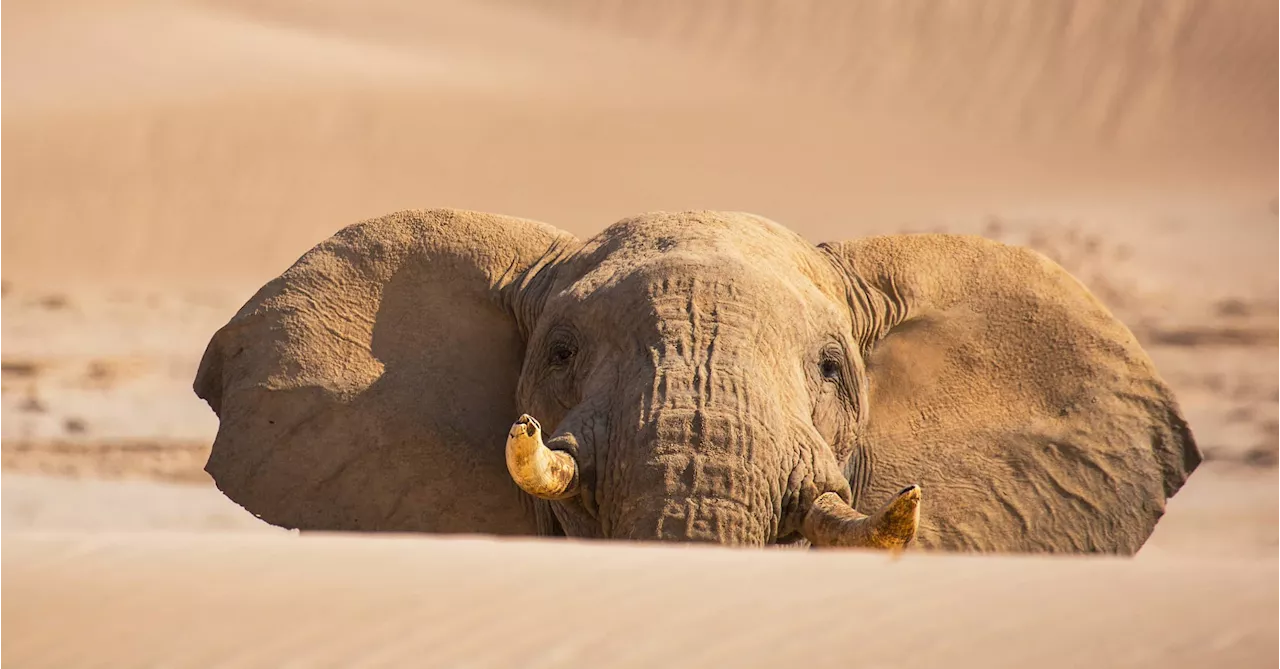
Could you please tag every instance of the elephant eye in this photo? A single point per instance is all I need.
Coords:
(561, 354)
(830, 370)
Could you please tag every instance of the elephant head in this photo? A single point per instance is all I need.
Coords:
(697, 376)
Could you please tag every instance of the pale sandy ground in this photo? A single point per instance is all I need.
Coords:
(181, 600)
(164, 158)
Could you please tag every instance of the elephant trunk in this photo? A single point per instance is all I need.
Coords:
(702, 474)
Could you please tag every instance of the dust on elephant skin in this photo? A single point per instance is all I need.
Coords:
(696, 376)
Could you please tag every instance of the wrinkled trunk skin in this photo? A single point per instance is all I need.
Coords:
(696, 481)
(701, 464)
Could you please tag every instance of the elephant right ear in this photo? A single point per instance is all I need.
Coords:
(1030, 416)
(371, 386)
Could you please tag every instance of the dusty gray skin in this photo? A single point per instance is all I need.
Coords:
(710, 376)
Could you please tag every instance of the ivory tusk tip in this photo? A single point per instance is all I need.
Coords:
(536, 469)
(832, 522)
(525, 426)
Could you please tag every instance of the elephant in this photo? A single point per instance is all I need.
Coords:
(702, 376)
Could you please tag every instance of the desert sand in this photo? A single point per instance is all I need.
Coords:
(164, 159)
(330, 601)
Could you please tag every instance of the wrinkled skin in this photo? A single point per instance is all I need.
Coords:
(711, 376)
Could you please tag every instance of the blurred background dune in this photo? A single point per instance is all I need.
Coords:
(164, 158)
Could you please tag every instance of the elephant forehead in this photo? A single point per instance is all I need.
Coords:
(696, 277)
(698, 300)
(725, 247)
(704, 260)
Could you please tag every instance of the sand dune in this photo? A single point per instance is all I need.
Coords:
(187, 163)
(1148, 74)
(165, 158)
(181, 600)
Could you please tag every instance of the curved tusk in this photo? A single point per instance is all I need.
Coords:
(538, 470)
(831, 522)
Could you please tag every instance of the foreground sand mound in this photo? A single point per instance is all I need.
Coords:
(260, 600)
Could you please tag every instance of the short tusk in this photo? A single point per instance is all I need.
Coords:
(538, 470)
(831, 522)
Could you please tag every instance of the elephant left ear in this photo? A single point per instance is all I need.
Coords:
(1031, 417)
